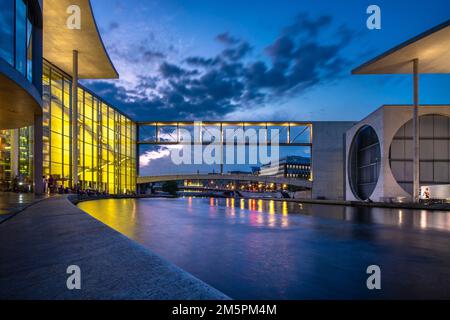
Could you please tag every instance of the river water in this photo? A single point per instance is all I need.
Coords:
(263, 249)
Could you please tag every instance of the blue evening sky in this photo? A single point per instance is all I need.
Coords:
(173, 30)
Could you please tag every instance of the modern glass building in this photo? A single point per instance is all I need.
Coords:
(106, 138)
(45, 129)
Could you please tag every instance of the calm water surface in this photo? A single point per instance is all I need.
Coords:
(261, 249)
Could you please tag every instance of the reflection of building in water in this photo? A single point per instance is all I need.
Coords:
(289, 167)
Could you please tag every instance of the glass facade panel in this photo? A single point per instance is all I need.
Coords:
(16, 35)
(21, 33)
(16, 160)
(7, 30)
(106, 140)
(364, 162)
(29, 47)
(434, 152)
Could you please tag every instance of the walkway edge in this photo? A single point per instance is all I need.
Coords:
(38, 245)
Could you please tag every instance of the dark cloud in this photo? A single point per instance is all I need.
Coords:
(168, 70)
(211, 87)
(202, 62)
(308, 26)
(113, 26)
(152, 55)
(226, 39)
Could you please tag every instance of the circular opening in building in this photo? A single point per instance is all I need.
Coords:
(364, 162)
(434, 152)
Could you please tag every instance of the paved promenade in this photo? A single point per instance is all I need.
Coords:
(38, 244)
(11, 203)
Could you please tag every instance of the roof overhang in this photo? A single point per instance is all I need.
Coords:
(431, 48)
(19, 102)
(60, 41)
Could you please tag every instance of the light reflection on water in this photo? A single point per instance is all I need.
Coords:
(421, 219)
(270, 249)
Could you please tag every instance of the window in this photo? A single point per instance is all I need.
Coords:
(364, 162)
(29, 46)
(434, 152)
(21, 33)
(7, 30)
(16, 35)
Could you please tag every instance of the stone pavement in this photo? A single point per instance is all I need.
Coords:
(41, 242)
(11, 203)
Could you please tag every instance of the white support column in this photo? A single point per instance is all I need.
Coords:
(416, 133)
(75, 120)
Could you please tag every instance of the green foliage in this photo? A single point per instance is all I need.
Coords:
(170, 187)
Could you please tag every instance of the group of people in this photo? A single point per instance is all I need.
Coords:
(91, 193)
(51, 187)
(20, 183)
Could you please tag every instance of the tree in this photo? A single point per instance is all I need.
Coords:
(170, 187)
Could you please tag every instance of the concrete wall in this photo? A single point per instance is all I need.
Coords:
(328, 159)
(386, 121)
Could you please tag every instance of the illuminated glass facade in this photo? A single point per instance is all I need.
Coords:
(106, 138)
(16, 159)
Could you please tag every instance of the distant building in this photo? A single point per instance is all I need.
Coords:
(288, 167)
(239, 172)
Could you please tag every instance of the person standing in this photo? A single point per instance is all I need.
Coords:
(50, 184)
(44, 182)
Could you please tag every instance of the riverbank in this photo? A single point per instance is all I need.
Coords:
(413, 206)
(396, 205)
(39, 244)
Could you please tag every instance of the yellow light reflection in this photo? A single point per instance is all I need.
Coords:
(272, 207)
(260, 205)
(233, 208)
(242, 204)
(285, 209)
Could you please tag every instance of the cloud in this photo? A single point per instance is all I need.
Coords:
(159, 152)
(303, 55)
(225, 38)
(146, 158)
(152, 54)
(113, 26)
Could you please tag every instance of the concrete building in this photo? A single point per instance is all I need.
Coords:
(289, 167)
(379, 152)
(328, 159)
(396, 150)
